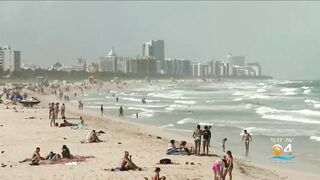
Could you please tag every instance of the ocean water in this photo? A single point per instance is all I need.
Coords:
(288, 111)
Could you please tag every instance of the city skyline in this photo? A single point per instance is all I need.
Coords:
(64, 31)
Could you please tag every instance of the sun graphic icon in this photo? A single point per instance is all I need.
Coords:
(277, 149)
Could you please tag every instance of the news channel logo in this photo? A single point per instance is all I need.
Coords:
(282, 152)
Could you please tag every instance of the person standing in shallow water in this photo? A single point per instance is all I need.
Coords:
(101, 109)
(197, 139)
(246, 137)
(121, 111)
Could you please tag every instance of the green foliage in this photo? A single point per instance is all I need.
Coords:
(81, 75)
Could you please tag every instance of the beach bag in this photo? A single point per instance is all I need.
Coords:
(165, 161)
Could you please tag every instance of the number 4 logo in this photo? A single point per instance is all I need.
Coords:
(288, 149)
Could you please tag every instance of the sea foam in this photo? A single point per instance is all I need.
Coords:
(316, 138)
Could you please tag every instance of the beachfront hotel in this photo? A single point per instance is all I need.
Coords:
(10, 59)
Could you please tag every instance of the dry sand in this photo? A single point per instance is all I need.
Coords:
(19, 137)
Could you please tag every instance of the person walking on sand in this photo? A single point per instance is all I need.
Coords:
(121, 111)
(56, 111)
(101, 109)
(53, 116)
(63, 111)
(51, 109)
(246, 137)
(206, 140)
(197, 139)
(117, 99)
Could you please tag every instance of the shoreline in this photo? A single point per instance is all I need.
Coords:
(131, 135)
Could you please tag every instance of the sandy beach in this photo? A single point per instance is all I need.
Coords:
(20, 135)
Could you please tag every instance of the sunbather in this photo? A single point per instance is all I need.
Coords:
(92, 137)
(35, 159)
(53, 156)
(66, 152)
(127, 164)
(66, 123)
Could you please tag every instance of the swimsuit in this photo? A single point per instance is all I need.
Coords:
(216, 166)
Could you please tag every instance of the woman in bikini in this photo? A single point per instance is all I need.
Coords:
(229, 165)
(197, 139)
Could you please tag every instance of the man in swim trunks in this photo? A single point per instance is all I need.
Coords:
(246, 137)
(35, 158)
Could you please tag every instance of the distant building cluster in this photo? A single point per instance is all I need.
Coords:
(10, 59)
(233, 66)
(153, 62)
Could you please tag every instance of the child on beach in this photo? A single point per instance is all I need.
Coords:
(223, 144)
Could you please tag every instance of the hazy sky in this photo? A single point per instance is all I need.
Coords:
(283, 36)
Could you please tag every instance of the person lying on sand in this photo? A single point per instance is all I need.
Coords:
(156, 175)
(53, 156)
(66, 155)
(66, 123)
(92, 137)
(127, 164)
(35, 159)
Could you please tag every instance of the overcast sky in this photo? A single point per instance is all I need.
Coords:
(283, 36)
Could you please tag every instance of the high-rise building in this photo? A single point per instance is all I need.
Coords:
(211, 68)
(93, 67)
(178, 67)
(142, 65)
(199, 70)
(256, 68)
(81, 65)
(10, 59)
(155, 49)
(195, 70)
(109, 62)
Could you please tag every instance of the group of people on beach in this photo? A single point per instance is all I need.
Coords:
(205, 136)
(224, 166)
(54, 110)
(51, 158)
(221, 168)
